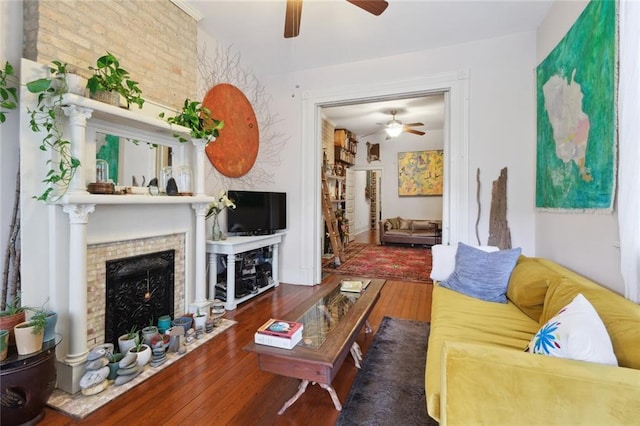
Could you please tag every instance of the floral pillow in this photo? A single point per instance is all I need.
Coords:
(575, 332)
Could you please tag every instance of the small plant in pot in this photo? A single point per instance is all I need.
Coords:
(113, 365)
(198, 119)
(29, 334)
(143, 351)
(128, 340)
(109, 76)
(200, 319)
(12, 315)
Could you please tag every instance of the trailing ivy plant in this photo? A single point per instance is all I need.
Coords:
(62, 166)
(108, 76)
(198, 119)
(8, 91)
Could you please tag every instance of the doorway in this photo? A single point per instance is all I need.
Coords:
(455, 86)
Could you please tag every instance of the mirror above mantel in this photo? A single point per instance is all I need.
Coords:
(132, 162)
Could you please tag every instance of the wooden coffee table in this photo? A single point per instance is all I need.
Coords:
(332, 321)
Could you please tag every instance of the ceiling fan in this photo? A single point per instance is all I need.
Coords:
(394, 127)
(294, 12)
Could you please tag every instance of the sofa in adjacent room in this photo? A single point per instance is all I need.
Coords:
(477, 370)
(410, 231)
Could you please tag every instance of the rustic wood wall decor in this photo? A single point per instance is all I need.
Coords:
(499, 233)
(235, 150)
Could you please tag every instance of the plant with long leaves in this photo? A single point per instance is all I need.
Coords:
(62, 165)
(109, 76)
(198, 119)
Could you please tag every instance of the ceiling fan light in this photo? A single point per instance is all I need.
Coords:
(394, 129)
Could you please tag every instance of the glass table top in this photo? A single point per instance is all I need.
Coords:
(322, 317)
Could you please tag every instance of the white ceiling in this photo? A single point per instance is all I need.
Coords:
(335, 31)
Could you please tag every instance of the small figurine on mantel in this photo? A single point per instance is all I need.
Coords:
(172, 187)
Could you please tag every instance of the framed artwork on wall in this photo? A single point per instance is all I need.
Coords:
(576, 116)
(420, 173)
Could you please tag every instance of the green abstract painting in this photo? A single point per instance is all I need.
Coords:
(420, 173)
(576, 115)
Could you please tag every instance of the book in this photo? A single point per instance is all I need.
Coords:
(280, 328)
(354, 286)
(278, 342)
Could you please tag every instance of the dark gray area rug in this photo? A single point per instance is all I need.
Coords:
(389, 389)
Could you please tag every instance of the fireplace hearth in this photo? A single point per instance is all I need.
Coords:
(139, 289)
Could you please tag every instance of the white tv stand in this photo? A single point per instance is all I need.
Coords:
(232, 246)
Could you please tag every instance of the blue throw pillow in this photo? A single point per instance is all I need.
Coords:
(482, 275)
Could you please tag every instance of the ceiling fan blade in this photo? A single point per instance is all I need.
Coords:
(375, 7)
(414, 124)
(415, 132)
(292, 18)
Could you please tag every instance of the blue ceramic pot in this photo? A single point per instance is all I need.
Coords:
(184, 322)
(50, 328)
(164, 322)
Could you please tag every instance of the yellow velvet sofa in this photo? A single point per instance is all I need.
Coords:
(478, 373)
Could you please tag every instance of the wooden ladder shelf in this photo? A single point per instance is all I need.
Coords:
(332, 223)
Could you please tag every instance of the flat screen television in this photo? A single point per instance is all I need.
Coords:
(257, 212)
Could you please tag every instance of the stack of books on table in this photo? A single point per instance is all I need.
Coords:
(279, 333)
(354, 286)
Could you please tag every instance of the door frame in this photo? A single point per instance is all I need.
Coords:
(455, 211)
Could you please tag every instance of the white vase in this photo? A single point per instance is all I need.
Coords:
(144, 355)
(124, 344)
(200, 321)
(26, 341)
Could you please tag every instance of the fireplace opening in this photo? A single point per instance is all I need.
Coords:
(139, 289)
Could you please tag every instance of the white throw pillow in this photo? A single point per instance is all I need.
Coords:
(576, 332)
(444, 260)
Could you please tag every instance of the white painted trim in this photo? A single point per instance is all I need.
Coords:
(456, 145)
(188, 9)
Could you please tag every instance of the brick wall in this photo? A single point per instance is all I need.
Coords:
(154, 40)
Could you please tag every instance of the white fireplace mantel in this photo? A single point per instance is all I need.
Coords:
(84, 118)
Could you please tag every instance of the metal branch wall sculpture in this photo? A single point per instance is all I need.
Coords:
(225, 67)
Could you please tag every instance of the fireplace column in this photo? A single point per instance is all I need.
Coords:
(78, 122)
(77, 310)
(200, 278)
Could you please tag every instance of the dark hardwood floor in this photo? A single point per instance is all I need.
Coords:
(220, 384)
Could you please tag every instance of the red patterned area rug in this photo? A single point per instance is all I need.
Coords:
(387, 262)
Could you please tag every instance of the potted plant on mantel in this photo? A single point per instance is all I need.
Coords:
(109, 78)
(8, 91)
(198, 119)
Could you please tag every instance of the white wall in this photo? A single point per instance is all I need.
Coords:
(586, 243)
(10, 50)
(501, 130)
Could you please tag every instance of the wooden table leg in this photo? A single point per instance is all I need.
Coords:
(334, 395)
(294, 398)
(303, 387)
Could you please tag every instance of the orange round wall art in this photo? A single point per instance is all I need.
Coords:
(235, 150)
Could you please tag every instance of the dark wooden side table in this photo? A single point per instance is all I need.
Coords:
(26, 383)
